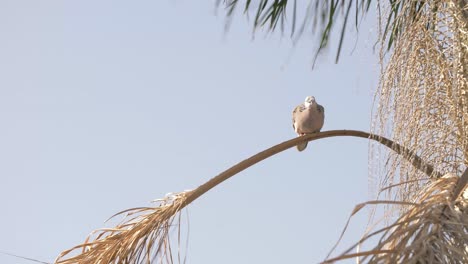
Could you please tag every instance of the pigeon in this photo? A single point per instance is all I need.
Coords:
(308, 118)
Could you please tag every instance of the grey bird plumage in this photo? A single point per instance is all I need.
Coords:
(308, 118)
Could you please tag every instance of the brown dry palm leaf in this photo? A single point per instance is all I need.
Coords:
(423, 94)
(434, 229)
(144, 233)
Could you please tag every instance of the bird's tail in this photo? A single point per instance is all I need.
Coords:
(302, 146)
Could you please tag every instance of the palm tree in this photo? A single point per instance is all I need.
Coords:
(422, 107)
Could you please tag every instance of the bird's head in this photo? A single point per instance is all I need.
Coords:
(310, 100)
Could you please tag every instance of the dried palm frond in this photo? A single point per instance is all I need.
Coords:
(434, 229)
(423, 94)
(144, 234)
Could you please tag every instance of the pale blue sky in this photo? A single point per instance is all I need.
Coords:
(107, 105)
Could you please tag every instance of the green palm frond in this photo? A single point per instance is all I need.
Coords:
(321, 15)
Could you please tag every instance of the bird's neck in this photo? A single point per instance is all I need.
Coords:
(308, 104)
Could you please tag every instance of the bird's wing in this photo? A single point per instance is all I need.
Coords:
(320, 109)
(296, 111)
(321, 116)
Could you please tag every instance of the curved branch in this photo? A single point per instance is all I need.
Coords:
(415, 160)
(148, 227)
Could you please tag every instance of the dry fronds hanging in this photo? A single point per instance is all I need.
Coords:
(434, 229)
(423, 94)
(143, 235)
